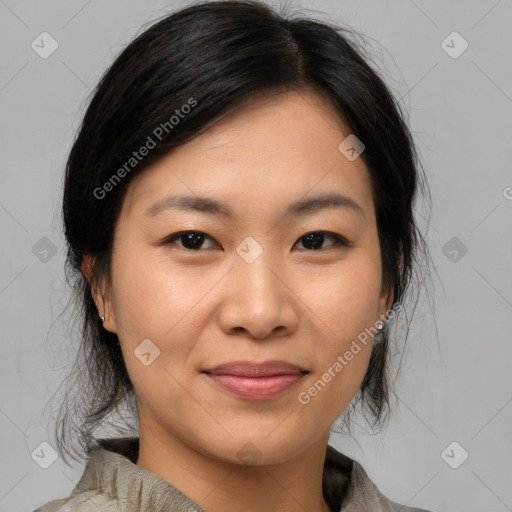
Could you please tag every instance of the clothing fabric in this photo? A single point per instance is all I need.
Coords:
(112, 482)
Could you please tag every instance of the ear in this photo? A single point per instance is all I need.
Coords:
(385, 303)
(100, 294)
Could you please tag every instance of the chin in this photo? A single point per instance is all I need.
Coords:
(258, 450)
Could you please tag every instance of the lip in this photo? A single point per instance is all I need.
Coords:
(256, 381)
(255, 369)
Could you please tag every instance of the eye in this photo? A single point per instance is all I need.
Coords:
(315, 239)
(190, 239)
(193, 240)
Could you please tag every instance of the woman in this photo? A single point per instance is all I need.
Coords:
(238, 206)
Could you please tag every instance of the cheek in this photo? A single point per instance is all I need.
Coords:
(150, 297)
(154, 300)
(346, 299)
(344, 307)
(151, 302)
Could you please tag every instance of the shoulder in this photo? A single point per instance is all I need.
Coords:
(85, 502)
(348, 488)
(365, 495)
(52, 506)
(96, 489)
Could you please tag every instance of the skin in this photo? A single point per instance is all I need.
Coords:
(209, 306)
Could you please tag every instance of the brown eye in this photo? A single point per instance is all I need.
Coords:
(191, 240)
(315, 240)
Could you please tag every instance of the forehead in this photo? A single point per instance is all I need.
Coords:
(277, 148)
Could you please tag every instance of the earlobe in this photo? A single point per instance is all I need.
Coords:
(99, 297)
(108, 320)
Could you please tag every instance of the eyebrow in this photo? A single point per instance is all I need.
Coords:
(211, 206)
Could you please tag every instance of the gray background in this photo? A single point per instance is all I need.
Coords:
(455, 384)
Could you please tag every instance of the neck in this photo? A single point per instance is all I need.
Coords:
(294, 485)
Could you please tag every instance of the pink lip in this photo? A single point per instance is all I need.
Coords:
(254, 369)
(256, 381)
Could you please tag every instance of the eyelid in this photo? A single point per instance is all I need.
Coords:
(167, 240)
(339, 240)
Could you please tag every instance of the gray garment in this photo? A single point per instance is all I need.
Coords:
(112, 482)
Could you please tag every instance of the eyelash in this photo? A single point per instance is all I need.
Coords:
(339, 241)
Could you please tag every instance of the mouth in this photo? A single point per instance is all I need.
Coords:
(256, 381)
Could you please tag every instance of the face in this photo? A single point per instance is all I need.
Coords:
(266, 282)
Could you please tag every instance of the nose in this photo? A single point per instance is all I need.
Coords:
(258, 300)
